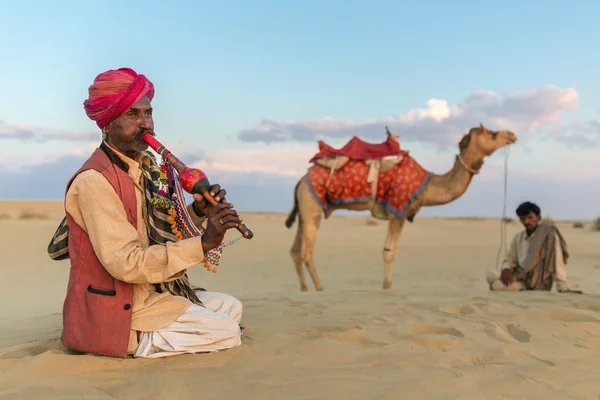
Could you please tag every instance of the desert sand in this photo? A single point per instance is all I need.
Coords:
(438, 334)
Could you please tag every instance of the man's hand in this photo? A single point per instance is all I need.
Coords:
(506, 276)
(202, 206)
(221, 218)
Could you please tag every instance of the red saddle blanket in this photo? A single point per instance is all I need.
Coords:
(358, 149)
(396, 188)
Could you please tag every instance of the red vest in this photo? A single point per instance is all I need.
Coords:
(97, 307)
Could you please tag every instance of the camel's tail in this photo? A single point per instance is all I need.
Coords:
(294, 213)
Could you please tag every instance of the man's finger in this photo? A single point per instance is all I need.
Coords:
(221, 211)
(219, 208)
(230, 218)
(229, 225)
(220, 195)
(227, 220)
(215, 189)
(223, 207)
(226, 213)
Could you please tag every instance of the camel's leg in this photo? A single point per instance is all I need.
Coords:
(296, 253)
(302, 251)
(395, 226)
(311, 227)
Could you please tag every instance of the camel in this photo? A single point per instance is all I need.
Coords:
(477, 144)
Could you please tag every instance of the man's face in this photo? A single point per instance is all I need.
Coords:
(125, 132)
(530, 221)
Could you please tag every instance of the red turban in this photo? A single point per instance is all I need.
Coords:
(113, 92)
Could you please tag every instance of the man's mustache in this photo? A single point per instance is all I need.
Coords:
(141, 132)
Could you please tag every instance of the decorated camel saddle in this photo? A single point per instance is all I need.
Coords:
(381, 176)
(383, 156)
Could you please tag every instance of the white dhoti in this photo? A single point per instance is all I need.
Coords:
(199, 329)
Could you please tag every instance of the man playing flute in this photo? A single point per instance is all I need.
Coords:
(128, 291)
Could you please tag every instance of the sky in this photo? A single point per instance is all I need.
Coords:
(244, 90)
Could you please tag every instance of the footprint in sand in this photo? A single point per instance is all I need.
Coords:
(590, 344)
(519, 334)
(515, 353)
(435, 329)
(313, 332)
(536, 382)
(354, 334)
(470, 361)
(507, 333)
(434, 336)
(462, 310)
(363, 318)
(303, 308)
(247, 340)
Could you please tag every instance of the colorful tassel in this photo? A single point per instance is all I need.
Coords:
(179, 218)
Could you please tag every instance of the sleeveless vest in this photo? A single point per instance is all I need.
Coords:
(97, 307)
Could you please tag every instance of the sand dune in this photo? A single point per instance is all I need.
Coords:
(438, 334)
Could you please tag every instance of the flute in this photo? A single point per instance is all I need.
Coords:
(193, 180)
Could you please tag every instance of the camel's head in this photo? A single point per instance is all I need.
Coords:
(486, 141)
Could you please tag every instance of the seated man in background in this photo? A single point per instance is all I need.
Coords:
(536, 258)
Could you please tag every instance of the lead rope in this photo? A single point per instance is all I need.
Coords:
(503, 222)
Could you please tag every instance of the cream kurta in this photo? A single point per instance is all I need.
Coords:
(125, 251)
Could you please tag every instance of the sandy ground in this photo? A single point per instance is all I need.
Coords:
(438, 334)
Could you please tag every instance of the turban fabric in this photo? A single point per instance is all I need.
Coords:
(113, 92)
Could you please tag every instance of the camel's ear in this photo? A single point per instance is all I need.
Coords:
(482, 128)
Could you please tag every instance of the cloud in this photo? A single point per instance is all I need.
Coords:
(523, 112)
(15, 163)
(26, 132)
(576, 134)
(267, 191)
(290, 162)
(536, 110)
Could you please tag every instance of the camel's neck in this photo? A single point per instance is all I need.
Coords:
(443, 189)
